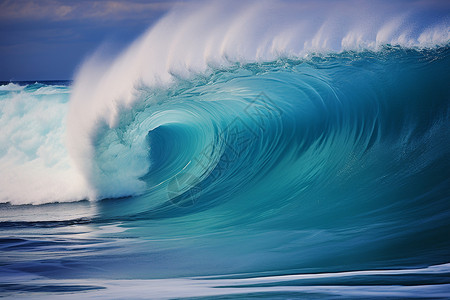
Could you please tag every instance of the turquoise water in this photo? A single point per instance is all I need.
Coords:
(273, 179)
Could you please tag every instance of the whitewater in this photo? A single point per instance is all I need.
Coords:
(277, 149)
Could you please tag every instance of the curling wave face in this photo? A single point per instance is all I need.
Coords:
(340, 130)
(116, 105)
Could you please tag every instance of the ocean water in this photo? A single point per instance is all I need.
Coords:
(217, 160)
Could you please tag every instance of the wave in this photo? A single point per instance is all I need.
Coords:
(352, 134)
(212, 101)
(197, 44)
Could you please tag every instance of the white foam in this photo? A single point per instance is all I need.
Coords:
(34, 163)
(11, 87)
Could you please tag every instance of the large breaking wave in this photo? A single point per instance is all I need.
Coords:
(223, 98)
(269, 142)
(198, 69)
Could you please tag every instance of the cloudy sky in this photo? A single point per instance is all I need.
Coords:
(48, 39)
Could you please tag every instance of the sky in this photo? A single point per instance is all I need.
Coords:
(49, 39)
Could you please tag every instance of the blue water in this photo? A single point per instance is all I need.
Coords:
(315, 166)
(306, 160)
